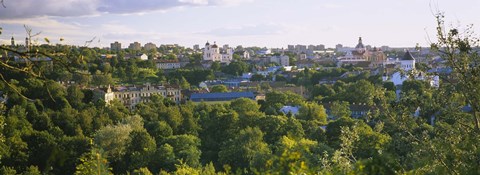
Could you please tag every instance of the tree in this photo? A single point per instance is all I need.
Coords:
(216, 66)
(257, 77)
(140, 150)
(340, 109)
(93, 162)
(186, 148)
(312, 111)
(219, 88)
(460, 49)
(246, 150)
(184, 83)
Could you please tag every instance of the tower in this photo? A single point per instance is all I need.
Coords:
(27, 43)
(207, 52)
(360, 47)
(13, 42)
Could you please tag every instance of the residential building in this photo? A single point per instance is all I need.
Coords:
(140, 56)
(282, 60)
(243, 54)
(116, 46)
(135, 46)
(196, 47)
(150, 46)
(168, 64)
(130, 96)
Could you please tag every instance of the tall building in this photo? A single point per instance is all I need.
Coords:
(13, 42)
(135, 46)
(282, 60)
(150, 46)
(212, 52)
(339, 47)
(196, 47)
(116, 46)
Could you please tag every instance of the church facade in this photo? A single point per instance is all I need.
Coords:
(215, 53)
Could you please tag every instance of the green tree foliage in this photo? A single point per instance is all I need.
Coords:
(93, 162)
(312, 112)
(246, 151)
(340, 109)
(219, 88)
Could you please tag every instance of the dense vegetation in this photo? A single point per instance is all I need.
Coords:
(50, 128)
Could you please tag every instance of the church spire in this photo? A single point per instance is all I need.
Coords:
(13, 41)
(360, 44)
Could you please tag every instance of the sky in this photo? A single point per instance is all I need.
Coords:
(263, 23)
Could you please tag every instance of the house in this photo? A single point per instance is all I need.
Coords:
(168, 64)
(140, 56)
(243, 54)
(220, 96)
(306, 63)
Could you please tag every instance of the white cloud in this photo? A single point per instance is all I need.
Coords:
(72, 8)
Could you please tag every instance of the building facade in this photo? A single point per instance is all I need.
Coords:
(135, 46)
(150, 46)
(282, 60)
(116, 46)
(214, 53)
(168, 64)
(130, 96)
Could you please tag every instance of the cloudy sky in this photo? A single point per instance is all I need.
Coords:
(269, 23)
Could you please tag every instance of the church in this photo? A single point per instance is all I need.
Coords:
(362, 57)
(214, 53)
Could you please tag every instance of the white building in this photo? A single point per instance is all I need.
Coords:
(130, 96)
(406, 66)
(213, 53)
(142, 57)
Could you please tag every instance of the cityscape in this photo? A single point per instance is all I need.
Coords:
(224, 87)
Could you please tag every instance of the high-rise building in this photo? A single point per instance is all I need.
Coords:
(339, 47)
(116, 46)
(150, 46)
(196, 47)
(135, 46)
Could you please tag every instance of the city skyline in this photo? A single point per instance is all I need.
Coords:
(263, 23)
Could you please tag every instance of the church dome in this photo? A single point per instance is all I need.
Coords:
(207, 44)
(360, 44)
(215, 45)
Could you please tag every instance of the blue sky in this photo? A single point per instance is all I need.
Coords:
(264, 23)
